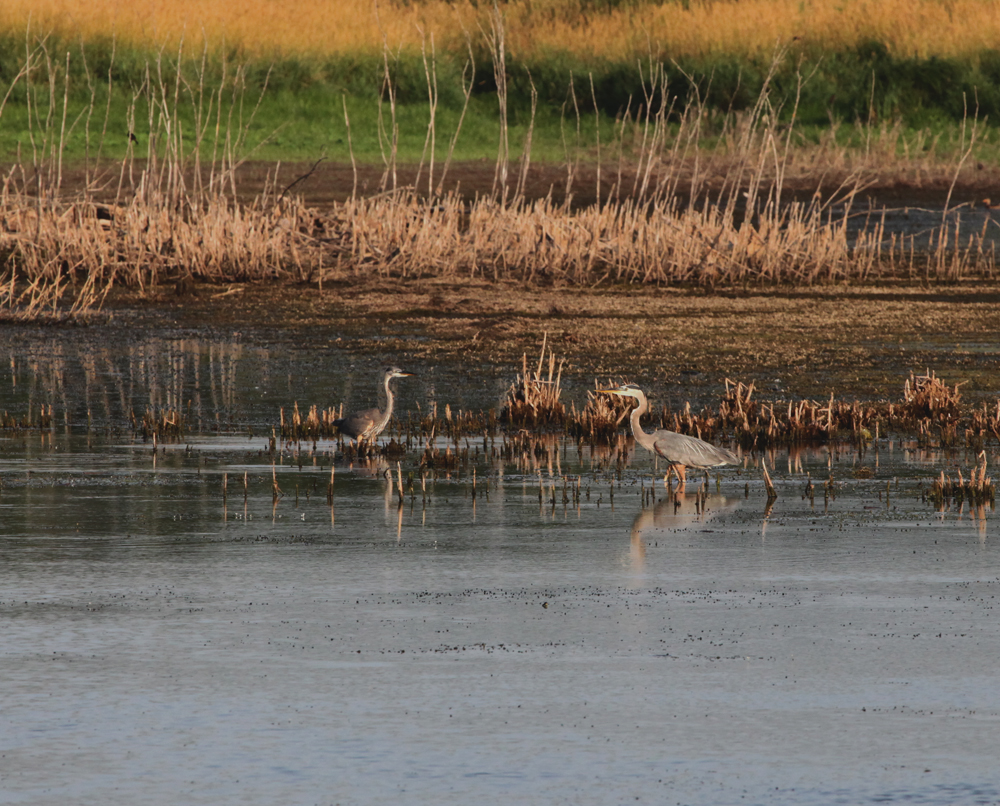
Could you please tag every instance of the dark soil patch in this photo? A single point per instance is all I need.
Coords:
(324, 183)
(851, 342)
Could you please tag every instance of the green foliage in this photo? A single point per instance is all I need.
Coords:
(871, 84)
(301, 111)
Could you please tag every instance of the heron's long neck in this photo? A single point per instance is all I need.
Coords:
(640, 436)
(388, 405)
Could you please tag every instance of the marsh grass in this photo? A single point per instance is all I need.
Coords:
(669, 209)
(978, 489)
(533, 398)
(601, 416)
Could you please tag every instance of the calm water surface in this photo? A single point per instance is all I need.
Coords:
(163, 644)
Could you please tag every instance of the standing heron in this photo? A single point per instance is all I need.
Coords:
(680, 450)
(365, 425)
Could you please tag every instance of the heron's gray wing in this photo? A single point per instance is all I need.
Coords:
(356, 423)
(680, 449)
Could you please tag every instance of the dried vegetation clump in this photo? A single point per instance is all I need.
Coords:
(758, 425)
(158, 423)
(31, 421)
(316, 424)
(601, 416)
(927, 396)
(977, 490)
(932, 410)
(533, 398)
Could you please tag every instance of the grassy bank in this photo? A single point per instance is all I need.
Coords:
(925, 66)
(300, 110)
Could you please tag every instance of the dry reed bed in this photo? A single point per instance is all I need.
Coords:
(532, 399)
(929, 409)
(977, 490)
(63, 261)
(628, 242)
(534, 411)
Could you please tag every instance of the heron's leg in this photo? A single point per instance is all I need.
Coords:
(680, 470)
(666, 478)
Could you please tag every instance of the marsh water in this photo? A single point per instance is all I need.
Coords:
(554, 628)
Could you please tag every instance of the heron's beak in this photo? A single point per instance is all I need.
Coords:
(406, 375)
(608, 391)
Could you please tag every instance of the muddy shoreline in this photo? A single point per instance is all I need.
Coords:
(853, 342)
(322, 184)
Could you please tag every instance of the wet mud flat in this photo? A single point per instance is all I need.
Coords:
(850, 341)
(164, 645)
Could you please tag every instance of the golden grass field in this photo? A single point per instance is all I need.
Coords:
(534, 28)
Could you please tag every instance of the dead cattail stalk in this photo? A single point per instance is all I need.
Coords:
(768, 484)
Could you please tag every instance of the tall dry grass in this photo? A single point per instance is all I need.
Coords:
(166, 212)
(533, 399)
(270, 28)
(670, 209)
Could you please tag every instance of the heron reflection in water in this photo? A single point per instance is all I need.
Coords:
(680, 450)
(366, 425)
(676, 512)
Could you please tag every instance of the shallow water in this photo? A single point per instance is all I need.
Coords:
(914, 225)
(163, 644)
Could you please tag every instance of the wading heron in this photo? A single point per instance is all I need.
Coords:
(365, 425)
(680, 450)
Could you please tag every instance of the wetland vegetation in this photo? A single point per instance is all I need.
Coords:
(127, 154)
(707, 165)
(217, 223)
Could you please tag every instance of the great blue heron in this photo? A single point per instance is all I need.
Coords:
(365, 425)
(680, 450)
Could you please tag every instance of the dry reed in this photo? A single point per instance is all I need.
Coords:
(157, 423)
(600, 418)
(314, 425)
(533, 399)
(927, 396)
(534, 406)
(978, 489)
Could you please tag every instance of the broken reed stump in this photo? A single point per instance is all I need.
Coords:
(157, 423)
(772, 494)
